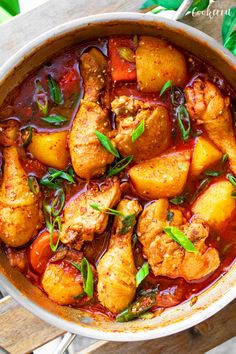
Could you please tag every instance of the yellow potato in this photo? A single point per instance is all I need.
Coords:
(157, 62)
(50, 148)
(204, 154)
(62, 283)
(216, 204)
(161, 177)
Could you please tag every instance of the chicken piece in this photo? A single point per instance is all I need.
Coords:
(116, 269)
(81, 221)
(8, 132)
(156, 137)
(206, 105)
(165, 256)
(89, 158)
(61, 280)
(20, 214)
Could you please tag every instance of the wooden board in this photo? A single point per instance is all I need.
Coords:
(21, 332)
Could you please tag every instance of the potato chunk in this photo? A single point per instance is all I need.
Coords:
(216, 204)
(204, 154)
(62, 282)
(161, 177)
(157, 62)
(50, 148)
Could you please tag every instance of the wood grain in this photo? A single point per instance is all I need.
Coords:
(21, 332)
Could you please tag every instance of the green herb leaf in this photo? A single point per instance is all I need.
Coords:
(134, 240)
(167, 85)
(199, 5)
(33, 185)
(41, 98)
(178, 236)
(51, 229)
(178, 200)
(137, 308)
(204, 183)
(56, 94)
(29, 134)
(183, 116)
(106, 210)
(142, 273)
(225, 158)
(106, 143)
(126, 54)
(120, 166)
(212, 173)
(87, 276)
(127, 223)
(58, 202)
(138, 131)
(232, 179)
(170, 215)
(54, 119)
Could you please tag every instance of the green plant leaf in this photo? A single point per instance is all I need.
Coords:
(4, 15)
(11, 6)
(228, 25)
(175, 4)
(231, 43)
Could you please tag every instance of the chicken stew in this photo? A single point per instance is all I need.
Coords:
(118, 190)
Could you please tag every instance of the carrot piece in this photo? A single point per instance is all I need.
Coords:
(121, 68)
(40, 251)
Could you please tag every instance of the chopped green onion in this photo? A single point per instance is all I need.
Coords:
(178, 200)
(54, 119)
(178, 236)
(177, 96)
(41, 98)
(142, 273)
(106, 210)
(54, 173)
(120, 166)
(28, 139)
(165, 87)
(197, 133)
(170, 215)
(127, 223)
(106, 143)
(45, 181)
(184, 116)
(33, 185)
(58, 202)
(225, 158)
(233, 194)
(232, 179)
(77, 297)
(126, 54)
(87, 276)
(134, 240)
(204, 183)
(213, 173)
(55, 91)
(137, 308)
(138, 131)
(51, 228)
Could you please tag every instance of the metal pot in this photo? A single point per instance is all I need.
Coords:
(12, 73)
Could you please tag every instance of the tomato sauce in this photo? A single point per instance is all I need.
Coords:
(21, 105)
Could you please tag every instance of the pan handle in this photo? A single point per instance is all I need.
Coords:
(65, 343)
(184, 7)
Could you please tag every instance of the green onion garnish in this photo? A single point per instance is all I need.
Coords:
(120, 166)
(87, 276)
(29, 132)
(232, 179)
(225, 158)
(106, 210)
(51, 229)
(127, 223)
(106, 143)
(165, 87)
(56, 94)
(213, 173)
(33, 185)
(58, 202)
(170, 215)
(142, 273)
(178, 200)
(184, 116)
(138, 131)
(178, 236)
(54, 119)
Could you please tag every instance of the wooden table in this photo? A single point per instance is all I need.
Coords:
(21, 332)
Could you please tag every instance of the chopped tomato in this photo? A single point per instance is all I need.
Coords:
(119, 50)
(40, 251)
(69, 83)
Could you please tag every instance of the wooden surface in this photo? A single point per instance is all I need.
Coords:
(21, 332)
